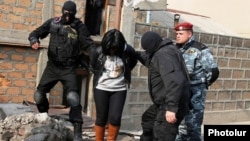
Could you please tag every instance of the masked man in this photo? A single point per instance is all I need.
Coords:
(68, 37)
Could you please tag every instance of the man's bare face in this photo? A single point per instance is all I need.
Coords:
(183, 36)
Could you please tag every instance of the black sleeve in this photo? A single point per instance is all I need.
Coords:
(142, 57)
(84, 37)
(132, 56)
(171, 72)
(215, 75)
(40, 32)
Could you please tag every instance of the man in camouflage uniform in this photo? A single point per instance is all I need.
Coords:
(203, 71)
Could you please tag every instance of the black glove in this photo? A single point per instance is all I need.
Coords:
(33, 40)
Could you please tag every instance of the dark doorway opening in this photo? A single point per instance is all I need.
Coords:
(94, 16)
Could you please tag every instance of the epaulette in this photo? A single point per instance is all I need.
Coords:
(56, 20)
(199, 45)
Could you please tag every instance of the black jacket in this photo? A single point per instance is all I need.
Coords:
(167, 77)
(128, 57)
(64, 43)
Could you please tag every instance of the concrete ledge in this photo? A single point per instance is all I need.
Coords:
(19, 38)
(221, 117)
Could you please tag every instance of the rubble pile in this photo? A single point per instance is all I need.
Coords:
(34, 127)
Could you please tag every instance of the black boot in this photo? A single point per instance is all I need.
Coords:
(77, 131)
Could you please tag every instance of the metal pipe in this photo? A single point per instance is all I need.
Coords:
(148, 17)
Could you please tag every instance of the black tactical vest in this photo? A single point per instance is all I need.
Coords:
(63, 44)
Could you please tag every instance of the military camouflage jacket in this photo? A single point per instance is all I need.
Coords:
(200, 63)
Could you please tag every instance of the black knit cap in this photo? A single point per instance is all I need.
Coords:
(69, 6)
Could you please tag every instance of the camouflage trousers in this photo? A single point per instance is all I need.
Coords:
(190, 127)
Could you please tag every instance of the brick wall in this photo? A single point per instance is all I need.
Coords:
(18, 72)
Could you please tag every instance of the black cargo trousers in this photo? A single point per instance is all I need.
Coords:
(156, 128)
(66, 74)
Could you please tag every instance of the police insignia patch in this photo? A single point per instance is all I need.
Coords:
(191, 51)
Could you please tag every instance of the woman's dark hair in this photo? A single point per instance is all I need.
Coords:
(113, 40)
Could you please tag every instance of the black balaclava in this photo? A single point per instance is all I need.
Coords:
(150, 41)
(71, 7)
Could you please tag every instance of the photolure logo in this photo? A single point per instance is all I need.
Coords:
(223, 132)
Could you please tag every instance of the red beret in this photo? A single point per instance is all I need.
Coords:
(183, 26)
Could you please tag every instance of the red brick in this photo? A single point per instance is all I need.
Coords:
(15, 74)
(33, 68)
(19, 83)
(6, 65)
(15, 18)
(12, 2)
(56, 92)
(5, 25)
(5, 82)
(13, 91)
(19, 26)
(30, 59)
(39, 6)
(29, 98)
(25, 3)
(39, 22)
(21, 66)
(3, 56)
(31, 84)
(20, 10)
(30, 20)
(16, 57)
(27, 91)
(2, 90)
(57, 100)
(17, 99)
(36, 13)
(4, 98)
(6, 8)
(21, 50)
(30, 75)
(60, 2)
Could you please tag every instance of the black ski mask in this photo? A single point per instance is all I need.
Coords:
(150, 42)
(70, 6)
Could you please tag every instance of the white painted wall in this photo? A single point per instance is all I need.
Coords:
(234, 14)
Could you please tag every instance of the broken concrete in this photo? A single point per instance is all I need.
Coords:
(22, 122)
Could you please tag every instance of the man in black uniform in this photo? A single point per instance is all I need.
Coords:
(168, 87)
(68, 37)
